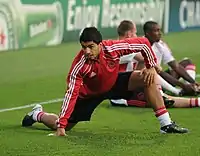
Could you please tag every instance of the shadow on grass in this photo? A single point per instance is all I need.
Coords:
(107, 138)
(104, 137)
(19, 128)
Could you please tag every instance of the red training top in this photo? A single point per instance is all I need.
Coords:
(91, 77)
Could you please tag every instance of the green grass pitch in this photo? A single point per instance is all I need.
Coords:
(38, 74)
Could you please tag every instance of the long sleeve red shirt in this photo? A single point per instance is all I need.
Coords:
(91, 77)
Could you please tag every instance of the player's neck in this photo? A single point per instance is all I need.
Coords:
(151, 42)
(122, 37)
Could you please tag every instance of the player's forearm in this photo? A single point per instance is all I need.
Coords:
(66, 111)
(173, 81)
(182, 72)
(138, 57)
(69, 100)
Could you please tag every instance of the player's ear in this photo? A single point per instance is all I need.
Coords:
(99, 46)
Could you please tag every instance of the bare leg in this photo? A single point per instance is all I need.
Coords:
(155, 99)
(152, 93)
(189, 67)
(185, 63)
(181, 102)
(48, 119)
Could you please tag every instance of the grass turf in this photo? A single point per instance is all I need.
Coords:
(38, 74)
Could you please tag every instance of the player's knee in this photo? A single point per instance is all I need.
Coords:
(137, 77)
(186, 62)
(136, 80)
(156, 80)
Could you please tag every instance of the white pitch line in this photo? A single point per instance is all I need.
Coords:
(42, 103)
(30, 105)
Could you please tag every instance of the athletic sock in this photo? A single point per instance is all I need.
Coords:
(37, 115)
(163, 116)
(194, 102)
(191, 70)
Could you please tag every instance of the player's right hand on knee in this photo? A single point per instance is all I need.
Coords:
(149, 75)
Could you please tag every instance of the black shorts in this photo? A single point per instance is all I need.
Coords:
(84, 107)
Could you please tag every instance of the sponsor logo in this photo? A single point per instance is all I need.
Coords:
(39, 28)
(111, 64)
(108, 14)
(189, 14)
(4, 40)
(92, 74)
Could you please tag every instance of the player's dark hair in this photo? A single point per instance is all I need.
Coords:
(124, 26)
(148, 26)
(90, 34)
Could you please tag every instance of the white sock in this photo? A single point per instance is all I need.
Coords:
(37, 115)
(164, 119)
(191, 70)
(168, 86)
(163, 116)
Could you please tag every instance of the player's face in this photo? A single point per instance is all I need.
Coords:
(90, 49)
(155, 33)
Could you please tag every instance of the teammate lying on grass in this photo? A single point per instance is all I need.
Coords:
(138, 100)
(94, 76)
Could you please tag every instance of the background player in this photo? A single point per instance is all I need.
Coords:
(184, 69)
(127, 29)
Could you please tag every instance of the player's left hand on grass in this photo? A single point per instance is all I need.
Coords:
(59, 132)
(149, 75)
